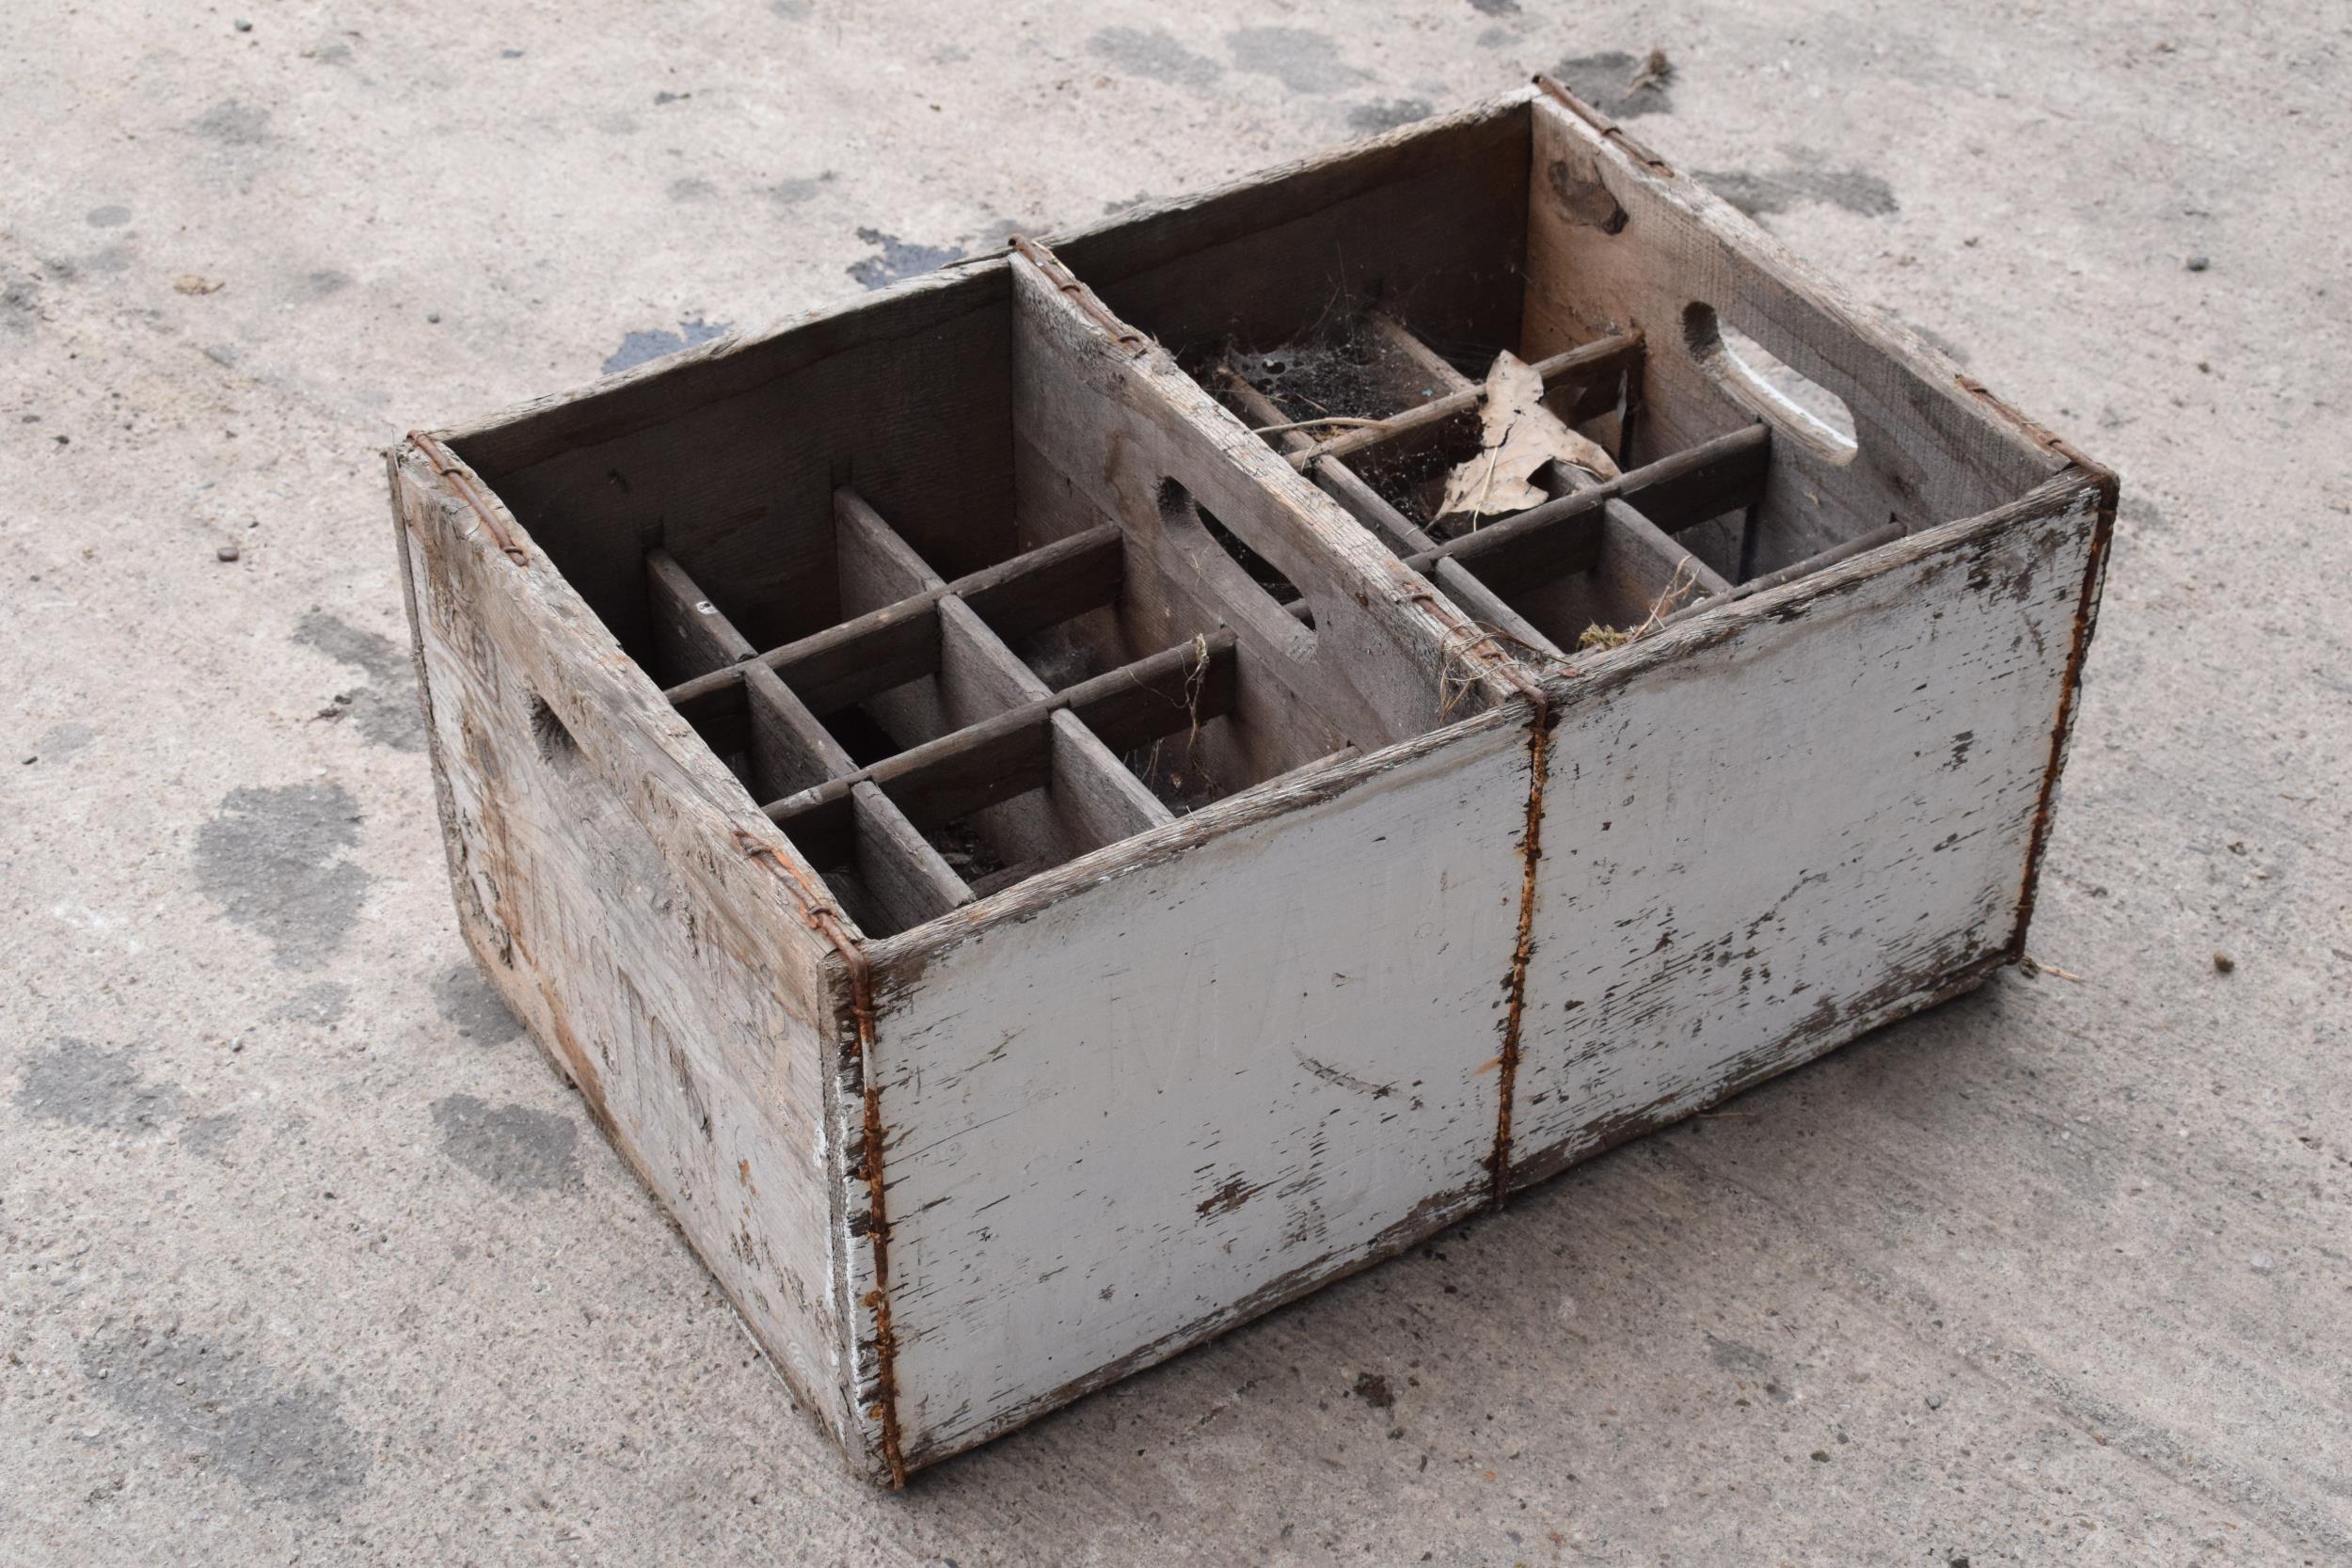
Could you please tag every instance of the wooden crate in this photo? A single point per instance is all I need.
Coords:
(1034, 867)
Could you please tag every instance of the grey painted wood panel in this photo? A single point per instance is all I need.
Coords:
(1170, 1097)
(1795, 818)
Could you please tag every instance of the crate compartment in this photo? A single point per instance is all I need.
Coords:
(1038, 853)
(1117, 661)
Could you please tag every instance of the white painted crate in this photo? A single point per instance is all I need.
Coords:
(1033, 873)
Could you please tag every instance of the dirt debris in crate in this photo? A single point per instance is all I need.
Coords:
(964, 848)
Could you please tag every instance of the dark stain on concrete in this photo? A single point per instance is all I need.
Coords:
(1149, 52)
(317, 1005)
(324, 281)
(1733, 1357)
(1755, 194)
(112, 215)
(233, 123)
(60, 741)
(207, 1135)
(694, 188)
(512, 1148)
(20, 303)
(895, 259)
(284, 1439)
(791, 10)
(638, 347)
(1302, 61)
(1387, 114)
(468, 1003)
(387, 711)
(80, 1085)
(1495, 8)
(273, 861)
(791, 192)
(1605, 82)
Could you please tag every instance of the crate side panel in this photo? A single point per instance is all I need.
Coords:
(591, 851)
(737, 480)
(1430, 224)
(1792, 829)
(1613, 243)
(1179, 1096)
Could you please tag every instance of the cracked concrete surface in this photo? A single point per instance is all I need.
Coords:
(309, 1255)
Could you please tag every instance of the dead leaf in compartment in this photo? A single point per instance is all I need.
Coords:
(1518, 435)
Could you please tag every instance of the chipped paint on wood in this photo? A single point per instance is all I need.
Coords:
(1766, 835)
(1114, 1121)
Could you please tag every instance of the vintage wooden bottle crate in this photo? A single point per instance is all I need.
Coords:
(1033, 872)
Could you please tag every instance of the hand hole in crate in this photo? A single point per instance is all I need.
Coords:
(1189, 522)
(1795, 403)
(551, 735)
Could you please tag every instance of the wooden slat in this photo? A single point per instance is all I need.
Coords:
(1647, 563)
(1547, 542)
(1590, 372)
(1104, 800)
(1483, 604)
(878, 566)
(1092, 798)
(899, 642)
(691, 635)
(1805, 568)
(1431, 363)
(1336, 479)
(1370, 508)
(904, 875)
(790, 750)
(1004, 757)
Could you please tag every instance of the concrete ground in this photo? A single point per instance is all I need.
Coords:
(308, 1254)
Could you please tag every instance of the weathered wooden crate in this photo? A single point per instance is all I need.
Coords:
(1033, 873)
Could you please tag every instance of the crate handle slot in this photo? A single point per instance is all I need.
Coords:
(551, 735)
(1794, 404)
(1243, 581)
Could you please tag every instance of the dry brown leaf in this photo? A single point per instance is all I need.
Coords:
(1518, 435)
(190, 283)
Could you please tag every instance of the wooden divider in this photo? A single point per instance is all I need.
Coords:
(976, 733)
(1592, 528)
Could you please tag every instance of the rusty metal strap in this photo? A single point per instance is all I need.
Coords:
(1531, 853)
(2040, 435)
(823, 918)
(1606, 126)
(461, 479)
(1079, 294)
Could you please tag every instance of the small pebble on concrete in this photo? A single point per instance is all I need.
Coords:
(227, 552)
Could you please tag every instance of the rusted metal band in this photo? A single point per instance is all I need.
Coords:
(1531, 851)
(1523, 947)
(461, 479)
(2062, 726)
(1606, 126)
(2040, 435)
(1080, 295)
(2085, 613)
(823, 918)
